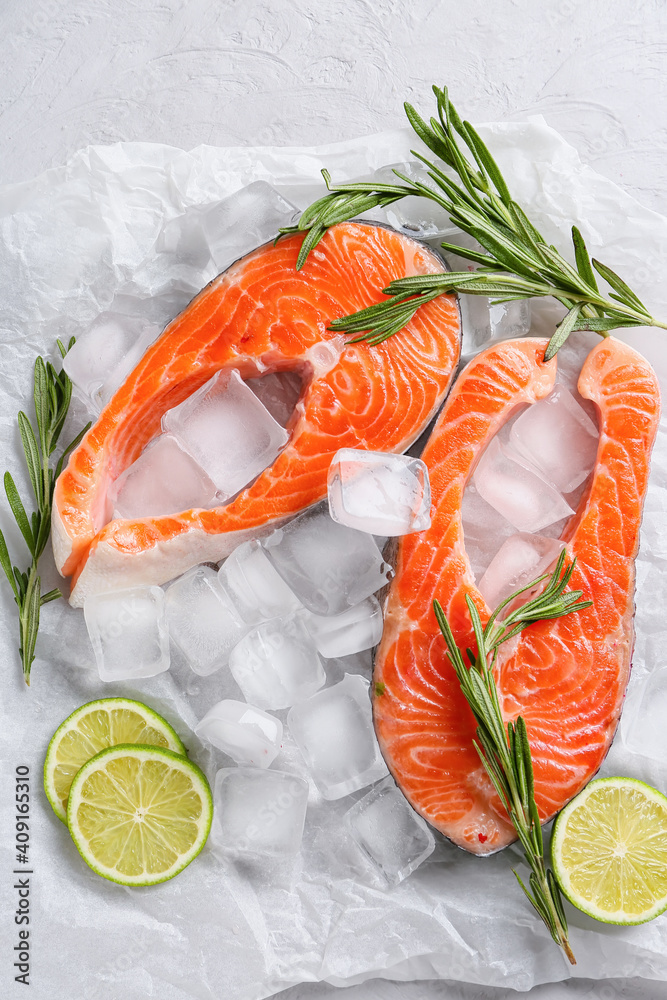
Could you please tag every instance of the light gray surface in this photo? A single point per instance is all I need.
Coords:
(187, 72)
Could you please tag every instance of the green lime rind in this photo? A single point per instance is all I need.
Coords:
(155, 720)
(80, 796)
(598, 839)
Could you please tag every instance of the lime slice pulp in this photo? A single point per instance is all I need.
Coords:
(139, 814)
(93, 727)
(609, 851)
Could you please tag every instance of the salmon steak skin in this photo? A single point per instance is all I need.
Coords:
(566, 677)
(260, 316)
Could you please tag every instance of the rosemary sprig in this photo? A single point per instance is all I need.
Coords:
(52, 395)
(505, 751)
(516, 262)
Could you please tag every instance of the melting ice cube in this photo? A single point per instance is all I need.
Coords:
(279, 392)
(329, 566)
(413, 215)
(246, 734)
(558, 437)
(163, 480)
(484, 530)
(227, 431)
(379, 493)
(516, 492)
(334, 732)
(103, 357)
(351, 632)
(258, 812)
(254, 586)
(277, 665)
(128, 632)
(203, 622)
(519, 560)
(389, 832)
(646, 732)
(245, 220)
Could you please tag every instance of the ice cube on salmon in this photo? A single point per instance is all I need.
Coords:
(258, 317)
(567, 677)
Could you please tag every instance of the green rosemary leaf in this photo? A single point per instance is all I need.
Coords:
(18, 510)
(31, 452)
(626, 293)
(563, 331)
(583, 259)
(52, 595)
(6, 564)
(313, 237)
(487, 162)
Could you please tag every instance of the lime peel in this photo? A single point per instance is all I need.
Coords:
(609, 851)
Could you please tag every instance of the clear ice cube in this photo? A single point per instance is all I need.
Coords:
(277, 664)
(227, 430)
(329, 566)
(248, 735)
(646, 732)
(379, 493)
(484, 530)
(254, 586)
(484, 322)
(557, 437)
(245, 220)
(389, 832)
(163, 480)
(128, 632)
(279, 392)
(103, 357)
(414, 215)
(258, 812)
(351, 632)
(518, 561)
(203, 622)
(516, 492)
(334, 732)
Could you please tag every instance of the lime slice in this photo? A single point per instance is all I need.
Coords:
(99, 724)
(138, 814)
(609, 851)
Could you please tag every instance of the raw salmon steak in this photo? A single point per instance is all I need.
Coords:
(567, 677)
(258, 317)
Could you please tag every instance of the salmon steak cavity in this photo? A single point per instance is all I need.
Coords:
(566, 677)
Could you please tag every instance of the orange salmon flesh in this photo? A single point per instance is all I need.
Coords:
(260, 316)
(567, 677)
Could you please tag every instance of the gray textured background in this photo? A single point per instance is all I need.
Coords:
(300, 72)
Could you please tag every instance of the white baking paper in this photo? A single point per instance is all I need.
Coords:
(70, 241)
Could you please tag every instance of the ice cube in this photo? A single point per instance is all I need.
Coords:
(245, 220)
(279, 392)
(227, 430)
(179, 263)
(248, 735)
(254, 586)
(258, 812)
(557, 437)
(128, 631)
(277, 664)
(389, 832)
(163, 480)
(646, 732)
(103, 357)
(334, 732)
(329, 566)
(203, 622)
(519, 494)
(484, 530)
(518, 561)
(351, 632)
(415, 216)
(379, 493)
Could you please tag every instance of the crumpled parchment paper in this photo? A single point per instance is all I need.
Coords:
(71, 242)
